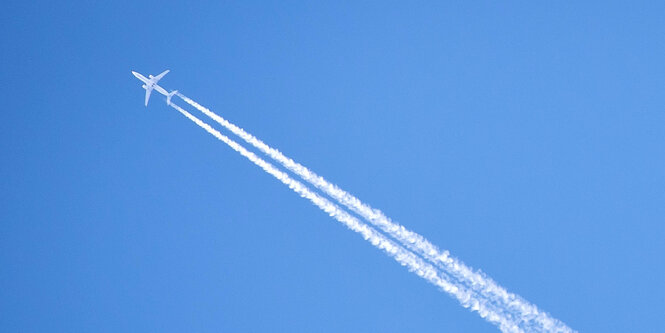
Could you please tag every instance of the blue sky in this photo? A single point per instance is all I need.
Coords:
(525, 138)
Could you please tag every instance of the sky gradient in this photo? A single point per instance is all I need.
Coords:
(525, 138)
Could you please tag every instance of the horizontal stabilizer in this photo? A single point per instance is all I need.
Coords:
(169, 95)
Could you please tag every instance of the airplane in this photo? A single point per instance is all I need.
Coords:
(150, 83)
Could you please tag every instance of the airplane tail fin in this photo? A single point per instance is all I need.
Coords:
(169, 95)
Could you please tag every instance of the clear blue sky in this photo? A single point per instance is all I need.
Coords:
(525, 138)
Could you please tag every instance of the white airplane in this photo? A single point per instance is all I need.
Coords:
(150, 83)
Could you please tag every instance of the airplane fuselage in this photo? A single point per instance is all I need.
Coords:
(141, 77)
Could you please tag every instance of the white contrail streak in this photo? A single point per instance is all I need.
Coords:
(406, 258)
(528, 314)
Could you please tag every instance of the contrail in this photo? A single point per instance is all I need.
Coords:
(528, 314)
(406, 258)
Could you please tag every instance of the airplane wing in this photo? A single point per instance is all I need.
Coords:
(161, 75)
(147, 96)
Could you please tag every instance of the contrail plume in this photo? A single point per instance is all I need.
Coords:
(406, 258)
(529, 316)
